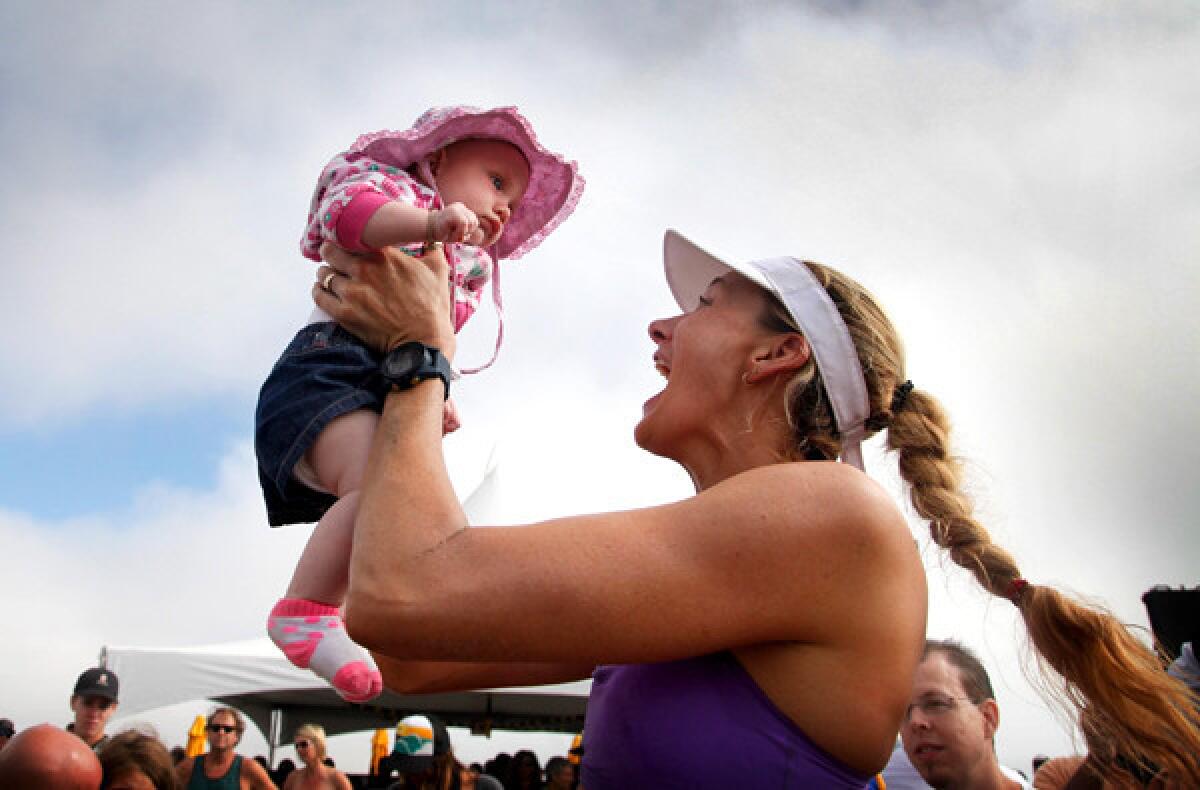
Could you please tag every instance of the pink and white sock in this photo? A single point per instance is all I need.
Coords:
(313, 636)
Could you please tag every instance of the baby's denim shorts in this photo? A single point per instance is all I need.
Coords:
(324, 372)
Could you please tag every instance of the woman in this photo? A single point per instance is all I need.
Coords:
(309, 742)
(771, 623)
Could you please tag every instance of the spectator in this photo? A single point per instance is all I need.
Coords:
(560, 774)
(500, 767)
(473, 778)
(318, 772)
(1187, 669)
(899, 773)
(950, 726)
(178, 753)
(526, 772)
(7, 731)
(47, 758)
(283, 771)
(222, 767)
(134, 760)
(422, 757)
(93, 702)
(1101, 769)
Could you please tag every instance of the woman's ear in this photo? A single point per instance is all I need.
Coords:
(785, 353)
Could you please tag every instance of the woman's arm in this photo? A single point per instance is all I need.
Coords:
(779, 553)
(430, 677)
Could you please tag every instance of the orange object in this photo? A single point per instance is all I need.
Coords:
(379, 748)
(576, 750)
(195, 738)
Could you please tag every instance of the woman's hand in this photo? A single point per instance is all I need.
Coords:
(390, 299)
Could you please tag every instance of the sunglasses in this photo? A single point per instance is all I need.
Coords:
(222, 728)
(302, 744)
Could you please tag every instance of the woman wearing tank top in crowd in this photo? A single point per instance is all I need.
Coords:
(762, 633)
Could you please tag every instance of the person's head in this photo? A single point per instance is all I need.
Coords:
(540, 187)
(792, 355)
(225, 727)
(421, 752)
(310, 743)
(94, 701)
(178, 754)
(950, 724)
(799, 362)
(526, 769)
(7, 731)
(48, 758)
(487, 176)
(135, 760)
(560, 774)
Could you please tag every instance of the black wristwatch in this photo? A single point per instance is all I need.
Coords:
(414, 362)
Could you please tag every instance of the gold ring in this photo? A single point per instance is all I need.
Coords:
(328, 279)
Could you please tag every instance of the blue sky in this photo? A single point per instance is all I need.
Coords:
(1016, 181)
(93, 462)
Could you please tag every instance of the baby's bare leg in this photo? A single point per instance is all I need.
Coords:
(339, 460)
(307, 624)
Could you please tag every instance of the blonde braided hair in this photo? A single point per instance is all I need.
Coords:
(1133, 708)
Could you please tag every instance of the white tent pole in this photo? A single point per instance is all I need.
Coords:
(273, 735)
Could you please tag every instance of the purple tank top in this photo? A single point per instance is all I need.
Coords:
(696, 723)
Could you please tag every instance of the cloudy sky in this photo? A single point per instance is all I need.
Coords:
(1018, 182)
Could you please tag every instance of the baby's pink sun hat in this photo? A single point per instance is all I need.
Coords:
(554, 183)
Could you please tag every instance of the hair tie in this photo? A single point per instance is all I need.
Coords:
(900, 396)
(878, 422)
(1016, 591)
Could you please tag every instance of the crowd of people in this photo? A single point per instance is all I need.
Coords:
(83, 755)
(946, 742)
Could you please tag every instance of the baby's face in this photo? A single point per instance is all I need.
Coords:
(487, 176)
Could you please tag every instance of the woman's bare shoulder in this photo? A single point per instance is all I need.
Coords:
(826, 493)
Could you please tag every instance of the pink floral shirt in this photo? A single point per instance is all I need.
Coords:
(352, 187)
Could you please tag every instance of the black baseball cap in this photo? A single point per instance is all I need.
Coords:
(97, 682)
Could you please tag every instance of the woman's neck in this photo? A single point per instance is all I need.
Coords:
(725, 453)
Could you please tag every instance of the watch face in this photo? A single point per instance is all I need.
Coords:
(404, 360)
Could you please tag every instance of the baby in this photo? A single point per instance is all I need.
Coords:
(477, 181)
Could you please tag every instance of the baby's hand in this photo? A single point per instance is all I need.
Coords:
(456, 223)
(450, 422)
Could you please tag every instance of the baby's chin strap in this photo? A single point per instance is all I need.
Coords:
(496, 300)
(426, 173)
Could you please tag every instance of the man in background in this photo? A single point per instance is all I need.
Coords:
(93, 702)
(949, 730)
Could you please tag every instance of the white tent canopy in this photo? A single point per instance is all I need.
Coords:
(254, 677)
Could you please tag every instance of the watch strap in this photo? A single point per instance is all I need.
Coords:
(423, 363)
